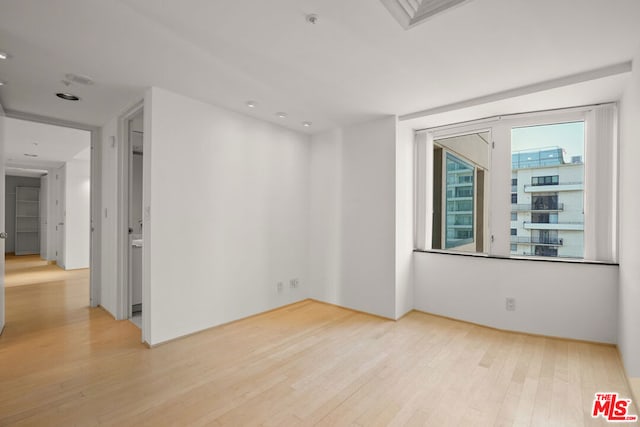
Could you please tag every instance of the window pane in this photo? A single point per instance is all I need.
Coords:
(550, 157)
(460, 190)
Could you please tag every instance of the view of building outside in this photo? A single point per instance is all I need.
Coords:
(547, 190)
(459, 202)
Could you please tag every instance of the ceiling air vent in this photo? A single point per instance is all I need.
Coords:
(410, 13)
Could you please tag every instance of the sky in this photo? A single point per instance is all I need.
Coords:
(569, 136)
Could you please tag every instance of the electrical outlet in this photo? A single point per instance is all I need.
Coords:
(511, 304)
(280, 287)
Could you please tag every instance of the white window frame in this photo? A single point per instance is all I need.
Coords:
(600, 178)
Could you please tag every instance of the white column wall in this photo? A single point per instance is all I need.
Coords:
(227, 209)
(353, 199)
(52, 217)
(44, 209)
(404, 221)
(77, 211)
(629, 206)
(109, 219)
(2, 213)
(325, 249)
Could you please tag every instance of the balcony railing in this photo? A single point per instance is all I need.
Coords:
(564, 225)
(533, 207)
(533, 240)
(562, 186)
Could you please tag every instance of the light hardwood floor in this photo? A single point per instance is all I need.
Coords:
(31, 269)
(63, 364)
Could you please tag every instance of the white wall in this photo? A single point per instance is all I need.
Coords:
(77, 211)
(44, 212)
(560, 299)
(629, 317)
(353, 217)
(52, 216)
(60, 217)
(325, 239)
(2, 143)
(228, 215)
(109, 223)
(404, 221)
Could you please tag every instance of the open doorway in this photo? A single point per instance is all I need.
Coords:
(135, 229)
(47, 216)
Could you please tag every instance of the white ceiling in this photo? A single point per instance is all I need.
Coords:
(355, 64)
(55, 145)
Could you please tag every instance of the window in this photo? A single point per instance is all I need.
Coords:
(545, 202)
(546, 237)
(514, 231)
(544, 218)
(544, 180)
(546, 251)
(458, 197)
(548, 166)
(459, 203)
(553, 159)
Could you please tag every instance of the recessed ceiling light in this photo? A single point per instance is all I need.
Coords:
(2, 83)
(251, 104)
(67, 96)
(306, 124)
(281, 115)
(30, 155)
(4, 55)
(311, 18)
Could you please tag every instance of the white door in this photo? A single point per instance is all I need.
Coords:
(2, 207)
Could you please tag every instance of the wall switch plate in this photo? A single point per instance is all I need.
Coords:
(511, 304)
(293, 283)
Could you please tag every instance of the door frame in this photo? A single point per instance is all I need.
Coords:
(124, 172)
(95, 198)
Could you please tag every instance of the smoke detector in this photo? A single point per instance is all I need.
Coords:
(410, 13)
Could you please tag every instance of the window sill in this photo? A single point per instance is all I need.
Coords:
(516, 258)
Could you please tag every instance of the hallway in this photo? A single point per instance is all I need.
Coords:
(50, 333)
(33, 270)
(41, 296)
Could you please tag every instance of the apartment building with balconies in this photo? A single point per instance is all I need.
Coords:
(547, 204)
